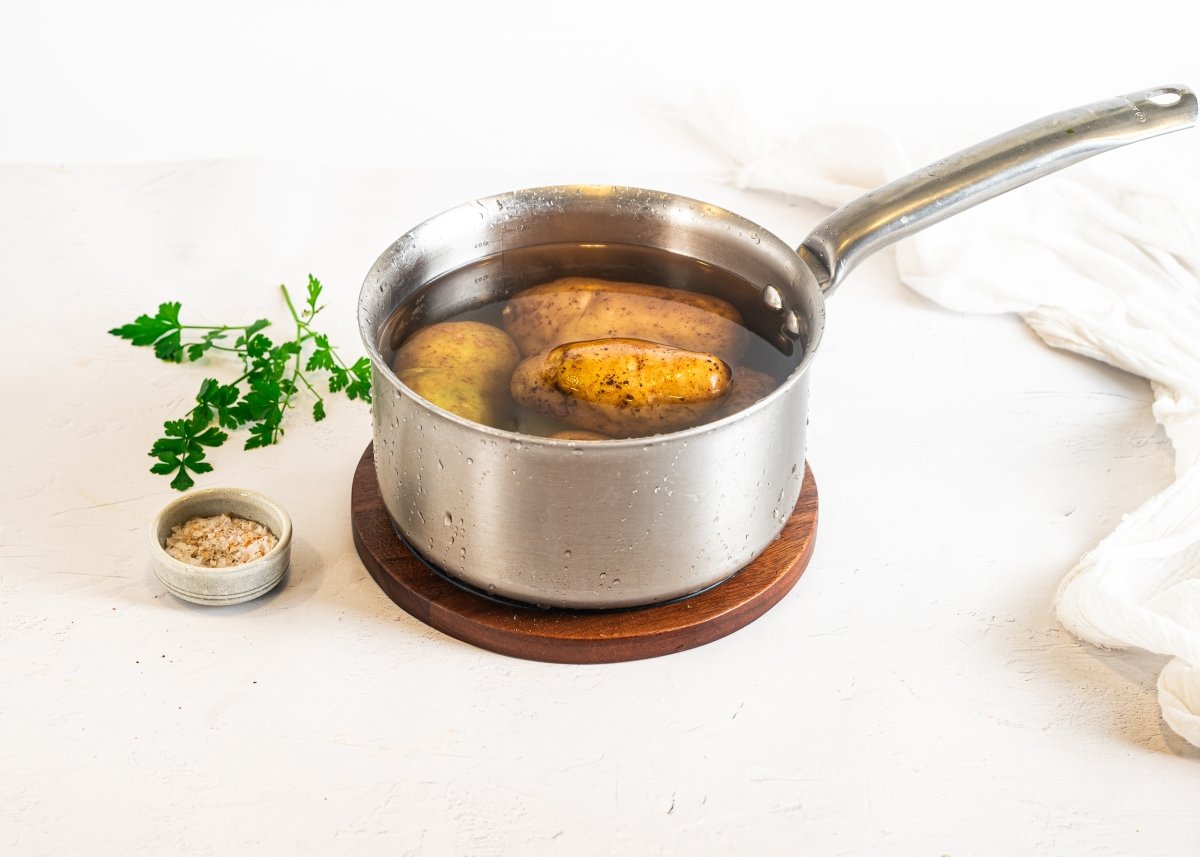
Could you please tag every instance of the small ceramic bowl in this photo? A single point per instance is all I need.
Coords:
(234, 584)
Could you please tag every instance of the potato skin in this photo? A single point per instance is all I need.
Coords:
(622, 387)
(575, 309)
(578, 434)
(748, 386)
(462, 366)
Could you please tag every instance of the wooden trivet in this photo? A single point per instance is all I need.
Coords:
(577, 636)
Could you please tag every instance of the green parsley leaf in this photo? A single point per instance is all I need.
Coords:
(146, 330)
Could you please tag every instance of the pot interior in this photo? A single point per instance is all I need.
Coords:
(486, 251)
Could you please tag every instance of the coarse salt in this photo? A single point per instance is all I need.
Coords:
(219, 541)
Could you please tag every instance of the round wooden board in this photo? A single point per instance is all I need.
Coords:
(583, 636)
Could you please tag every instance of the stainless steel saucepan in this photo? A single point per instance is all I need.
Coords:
(616, 523)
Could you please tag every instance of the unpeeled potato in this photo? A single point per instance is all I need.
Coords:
(579, 434)
(462, 366)
(748, 386)
(622, 387)
(574, 309)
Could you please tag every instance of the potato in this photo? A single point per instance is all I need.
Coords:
(622, 387)
(538, 424)
(462, 366)
(749, 385)
(574, 309)
(579, 434)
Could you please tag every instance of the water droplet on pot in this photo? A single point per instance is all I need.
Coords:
(448, 520)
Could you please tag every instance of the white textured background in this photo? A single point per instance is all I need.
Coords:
(913, 695)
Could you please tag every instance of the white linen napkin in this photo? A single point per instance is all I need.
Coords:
(1095, 263)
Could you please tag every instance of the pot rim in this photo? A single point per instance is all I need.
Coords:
(816, 325)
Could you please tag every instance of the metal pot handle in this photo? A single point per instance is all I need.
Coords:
(986, 170)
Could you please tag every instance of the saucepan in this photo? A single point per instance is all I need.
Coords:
(617, 523)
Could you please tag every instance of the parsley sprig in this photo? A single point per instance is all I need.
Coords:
(272, 376)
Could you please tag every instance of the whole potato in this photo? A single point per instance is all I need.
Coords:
(748, 386)
(575, 309)
(622, 387)
(462, 366)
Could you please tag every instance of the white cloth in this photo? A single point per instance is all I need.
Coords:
(1119, 282)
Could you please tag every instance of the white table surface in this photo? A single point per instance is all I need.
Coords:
(912, 695)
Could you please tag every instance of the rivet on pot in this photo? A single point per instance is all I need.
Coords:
(792, 324)
(772, 298)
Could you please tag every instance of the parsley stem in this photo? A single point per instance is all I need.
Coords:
(296, 373)
(290, 306)
(221, 327)
(303, 331)
(311, 388)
